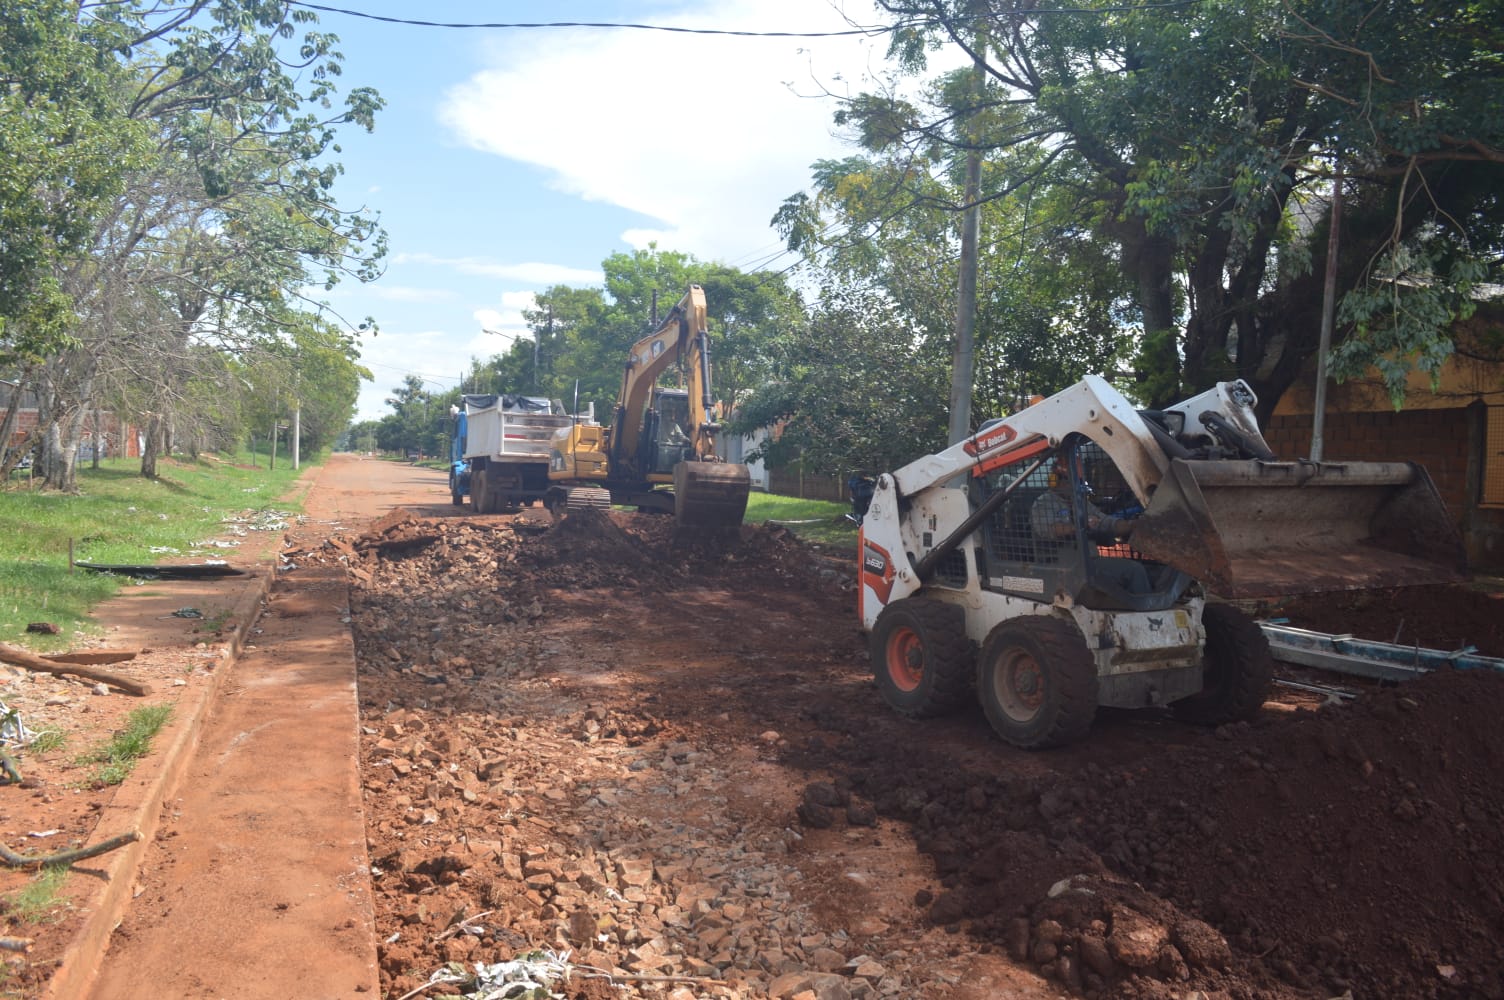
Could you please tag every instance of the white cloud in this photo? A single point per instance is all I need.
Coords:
(531, 272)
(708, 134)
(519, 300)
(400, 293)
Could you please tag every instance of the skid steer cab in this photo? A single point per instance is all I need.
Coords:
(1083, 553)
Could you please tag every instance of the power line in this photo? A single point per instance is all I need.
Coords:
(587, 24)
(870, 32)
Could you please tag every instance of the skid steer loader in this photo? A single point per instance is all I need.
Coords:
(1082, 553)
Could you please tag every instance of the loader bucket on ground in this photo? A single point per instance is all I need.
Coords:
(1261, 529)
(710, 494)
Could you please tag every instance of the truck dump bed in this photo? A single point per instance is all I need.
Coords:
(510, 427)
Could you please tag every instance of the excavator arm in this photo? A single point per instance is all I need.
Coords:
(707, 491)
(682, 337)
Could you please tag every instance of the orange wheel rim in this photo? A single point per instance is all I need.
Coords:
(905, 659)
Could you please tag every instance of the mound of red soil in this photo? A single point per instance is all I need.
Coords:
(1357, 848)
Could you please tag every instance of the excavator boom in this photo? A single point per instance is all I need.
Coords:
(645, 448)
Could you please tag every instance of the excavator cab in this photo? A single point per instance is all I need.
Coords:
(666, 432)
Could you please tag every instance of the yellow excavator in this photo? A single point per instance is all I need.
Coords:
(658, 453)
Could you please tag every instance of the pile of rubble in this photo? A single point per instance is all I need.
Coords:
(667, 760)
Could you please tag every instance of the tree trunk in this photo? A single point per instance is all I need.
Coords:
(1152, 260)
(10, 457)
(150, 445)
(58, 468)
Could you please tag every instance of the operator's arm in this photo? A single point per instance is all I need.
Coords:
(1104, 529)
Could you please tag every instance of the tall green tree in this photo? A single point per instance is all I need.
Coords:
(64, 150)
(583, 335)
(856, 390)
(221, 222)
(1200, 142)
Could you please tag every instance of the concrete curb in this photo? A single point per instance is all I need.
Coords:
(138, 804)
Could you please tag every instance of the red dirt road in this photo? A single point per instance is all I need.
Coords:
(667, 760)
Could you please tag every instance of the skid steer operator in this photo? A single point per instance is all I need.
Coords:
(1052, 517)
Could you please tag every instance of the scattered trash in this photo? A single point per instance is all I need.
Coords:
(261, 520)
(40, 834)
(43, 628)
(13, 731)
(182, 613)
(529, 975)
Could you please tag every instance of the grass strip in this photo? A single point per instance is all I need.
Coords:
(115, 760)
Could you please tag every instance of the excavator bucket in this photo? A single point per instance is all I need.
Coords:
(710, 494)
(1262, 529)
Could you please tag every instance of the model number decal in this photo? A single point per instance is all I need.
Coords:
(1028, 584)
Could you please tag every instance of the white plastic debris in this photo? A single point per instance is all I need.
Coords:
(520, 978)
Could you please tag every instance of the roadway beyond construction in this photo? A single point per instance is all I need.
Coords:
(666, 764)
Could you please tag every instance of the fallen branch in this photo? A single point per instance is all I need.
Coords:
(15, 860)
(92, 656)
(460, 925)
(21, 658)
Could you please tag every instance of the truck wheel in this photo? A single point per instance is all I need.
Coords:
(478, 492)
(1236, 671)
(921, 657)
(1037, 682)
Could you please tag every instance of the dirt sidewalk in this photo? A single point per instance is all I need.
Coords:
(252, 836)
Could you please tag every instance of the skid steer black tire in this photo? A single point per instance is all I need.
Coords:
(1037, 681)
(1236, 673)
(921, 657)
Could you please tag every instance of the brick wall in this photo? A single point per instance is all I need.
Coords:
(1437, 439)
(26, 420)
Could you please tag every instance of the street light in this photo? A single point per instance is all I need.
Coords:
(514, 336)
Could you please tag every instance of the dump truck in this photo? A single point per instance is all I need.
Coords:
(658, 453)
(499, 452)
(1084, 553)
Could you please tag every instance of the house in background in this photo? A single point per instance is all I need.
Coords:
(1456, 431)
(787, 480)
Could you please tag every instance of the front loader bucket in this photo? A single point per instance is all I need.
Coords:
(710, 494)
(1263, 529)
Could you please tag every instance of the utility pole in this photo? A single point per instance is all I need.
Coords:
(297, 433)
(963, 360)
(1328, 309)
(536, 337)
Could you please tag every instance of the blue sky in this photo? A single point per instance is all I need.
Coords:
(510, 160)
